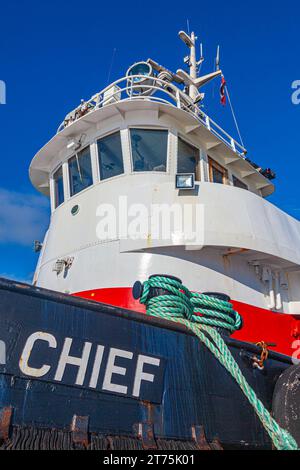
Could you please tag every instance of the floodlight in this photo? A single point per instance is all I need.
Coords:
(185, 181)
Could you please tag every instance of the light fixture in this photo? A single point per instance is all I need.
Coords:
(186, 38)
(139, 79)
(71, 144)
(37, 246)
(62, 264)
(144, 69)
(76, 142)
(185, 181)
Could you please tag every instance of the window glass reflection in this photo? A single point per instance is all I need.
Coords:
(149, 149)
(80, 171)
(58, 187)
(188, 157)
(110, 156)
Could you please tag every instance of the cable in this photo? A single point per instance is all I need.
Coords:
(233, 114)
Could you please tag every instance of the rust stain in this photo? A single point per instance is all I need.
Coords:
(5, 421)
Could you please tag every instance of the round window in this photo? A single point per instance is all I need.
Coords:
(75, 210)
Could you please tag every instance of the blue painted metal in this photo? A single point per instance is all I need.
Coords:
(190, 388)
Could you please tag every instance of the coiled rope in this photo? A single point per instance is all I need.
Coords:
(202, 314)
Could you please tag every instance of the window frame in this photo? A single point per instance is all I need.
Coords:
(69, 174)
(150, 128)
(234, 177)
(60, 167)
(52, 186)
(95, 142)
(214, 164)
(198, 173)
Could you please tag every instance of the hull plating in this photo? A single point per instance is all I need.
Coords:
(66, 356)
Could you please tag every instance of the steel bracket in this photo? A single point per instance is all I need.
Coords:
(145, 432)
(198, 436)
(80, 430)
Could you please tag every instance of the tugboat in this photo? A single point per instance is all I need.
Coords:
(159, 222)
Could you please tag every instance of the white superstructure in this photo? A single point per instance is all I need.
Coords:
(125, 147)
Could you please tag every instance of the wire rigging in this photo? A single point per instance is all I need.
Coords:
(111, 64)
(233, 115)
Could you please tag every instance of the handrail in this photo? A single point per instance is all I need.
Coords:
(150, 86)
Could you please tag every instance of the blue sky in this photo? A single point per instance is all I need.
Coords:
(54, 53)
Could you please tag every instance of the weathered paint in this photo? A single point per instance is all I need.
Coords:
(195, 388)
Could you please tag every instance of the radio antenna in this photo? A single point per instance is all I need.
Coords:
(218, 58)
(188, 25)
(111, 64)
(199, 63)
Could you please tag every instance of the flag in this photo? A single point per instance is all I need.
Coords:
(222, 91)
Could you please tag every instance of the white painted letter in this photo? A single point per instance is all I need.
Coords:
(96, 367)
(111, 369)
(141, 375)
(80, 362)
(23, 363)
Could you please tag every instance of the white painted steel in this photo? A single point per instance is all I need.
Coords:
(232, 218)
(246, 247)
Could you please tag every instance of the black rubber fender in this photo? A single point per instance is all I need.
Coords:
(286, 401)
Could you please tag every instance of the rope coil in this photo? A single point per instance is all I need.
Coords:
(202, 314)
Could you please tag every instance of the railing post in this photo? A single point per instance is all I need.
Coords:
(178, 99)
(207, 121)
(131, 85)
(232, 143)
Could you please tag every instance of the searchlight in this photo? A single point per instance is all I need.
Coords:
(145, 79)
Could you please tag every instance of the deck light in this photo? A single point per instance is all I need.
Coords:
(185, 181)
(70, 144)
(186, 38)
(75, 143)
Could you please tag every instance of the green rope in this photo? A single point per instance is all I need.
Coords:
(202, 314)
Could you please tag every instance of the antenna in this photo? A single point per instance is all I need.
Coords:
(191, 79)
(218, 58)
(111, 64)
(199, 62)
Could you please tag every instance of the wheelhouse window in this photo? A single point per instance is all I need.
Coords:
(58, 187)
(188, 158)
(217, 173)
(80, 171)
(238, 183)
(110, 156)
(149, 149)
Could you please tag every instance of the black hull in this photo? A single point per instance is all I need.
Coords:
(186, 389)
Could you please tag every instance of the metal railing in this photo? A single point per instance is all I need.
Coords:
(150, 89)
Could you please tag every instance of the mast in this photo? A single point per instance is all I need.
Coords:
(190, 42)
(193, 92)
(191, 79)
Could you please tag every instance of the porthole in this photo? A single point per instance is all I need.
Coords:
(75, 209)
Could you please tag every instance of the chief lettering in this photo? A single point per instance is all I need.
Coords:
(89, 365)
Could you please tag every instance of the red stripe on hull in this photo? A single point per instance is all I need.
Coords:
(259, 324)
